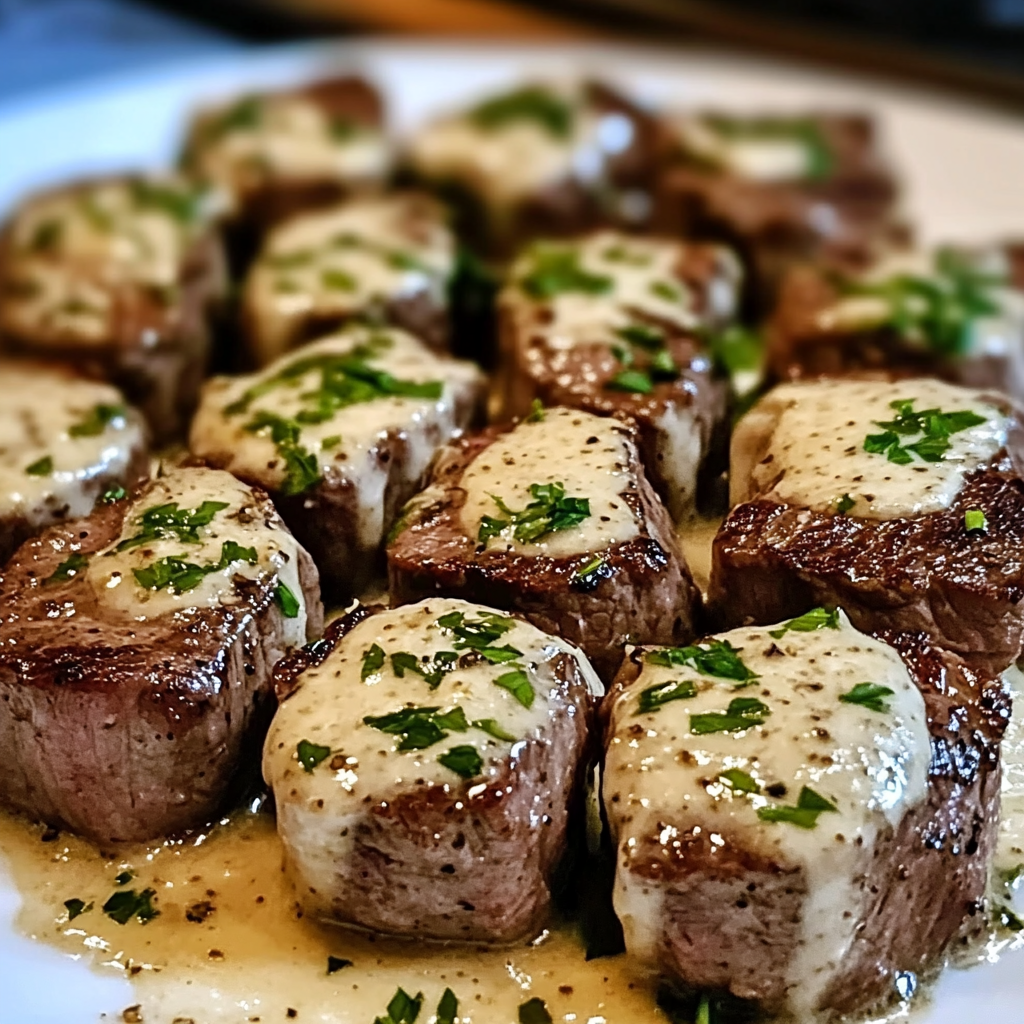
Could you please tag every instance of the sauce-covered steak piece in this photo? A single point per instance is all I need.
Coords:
(555, 520)
(424, 762)
(65, 442)
(953, 313)
(804, 815)
(385, 258)
(136, 649)
(273, 154)
(341, 434)
(900, 502)
(543, 159)
(120, 277)
(783, 189)
(617, 323)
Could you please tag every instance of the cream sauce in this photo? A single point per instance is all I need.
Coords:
(816, 453)
(320, 811)
(110, 573)
(588, 455)
(346, 444)
(768, 159)
(1010, 849)
(38, 411)
(335, 262)
(288, 136)
(872, 766)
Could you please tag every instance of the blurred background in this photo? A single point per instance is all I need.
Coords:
(976, 46)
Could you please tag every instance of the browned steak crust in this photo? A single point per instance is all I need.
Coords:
(772, 562)
(642, 593)
(124, 734)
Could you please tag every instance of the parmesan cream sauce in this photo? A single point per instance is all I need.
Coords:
(335, 262)
(816, 453)
(319, 811)
(38, 408)
(110, 572)
(589, 455)
(346, 444)
(872, 766)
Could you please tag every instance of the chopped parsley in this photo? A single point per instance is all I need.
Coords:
(336, 963)
(97, 421)
(534, 1011)
(432, 671)
(113, 494)
(68, 569)
(161, 522)
(464, 760)
(286, 601)
(47, 235)
(480, 634)
(373, 661)
(1006, 918)
(816, 618)
(739, 781)
(124, 877)
(667, 291)
(652, 698)
(447, 1008)
(419, 727)
(809, 806)
(180, 204)
(337, 280)
(243, 115)
(127, 903)
(716, 658)
(596, 569)
(175, 574)
(311, 754)
(549, 512)
(636, 381)
(76, 907)
(935, 426)
(735, 349)
(492, 728)
(742, 713)
(517, 682)
(332, 441)
(302, 470)
(530, 103)
(869, 695)
(974, 519)
(536, 414)
(643, 336)
(555, 270)
(818, 156)
(403, 1008)
(844, 504)
(41, 467)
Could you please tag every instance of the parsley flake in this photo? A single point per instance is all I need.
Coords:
(175, 574)
(403, 1008)
(68, 569)
(816, 618)
(517, 682)
(447, 1008)
(739, 781)
(530, 103)
(41, 467)
(974, 519)
(286, 601)
(336, 963)
(935, 426)
(464, 760)
(431, 671)
(716, 658)
(555, 270)
(127, 903)
(809, 806)
(536, 414)
(652, 698)
(162, 522)
(76, 907)
(549, 512)
(492, 728)
(311, 754)
(742, 713)
(419, 727)
(373, 661)
(534, 1011)
(113, 494)
(869, 695)
(844, 504)
(101, 417)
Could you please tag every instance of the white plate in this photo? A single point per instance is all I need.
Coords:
(964, 167)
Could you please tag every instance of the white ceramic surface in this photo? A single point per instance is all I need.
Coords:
(965, 172)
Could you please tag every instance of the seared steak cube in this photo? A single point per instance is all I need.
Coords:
(957, 314)
(341, 434)
(901, 502)
(119, 277)
(555, 520)
(542, 159)
(389, 258)
(424, 762)
(64, 443)
(273, 154)
(804, 815)
(136, 649)
(781, 188)
(616, 323)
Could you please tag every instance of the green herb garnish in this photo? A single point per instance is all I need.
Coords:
(534, 1011)
(591, 572)
(1007, 919)
(636, 381)
(869, 695)
(41, 467)
(403, 1008)
(652, 698)
(555, 270)
(47, 235)
(113, 494)
(125, 877)
(311, 754)
(735, 349)
(536, 414)
(809, 806)
(175, 574)
(531, 103)
(492, 728)
(447, 1008)
(816, 618)
(844, 504)
(432, 671)
(373, 661)
(716, 658)
(76, 907)
(126, 904)
(302, 470)
(935, 425)
(337, 280)
(182, 205)
(69, 568)
(464, 760)
(668, 292)
(162, 522)
(739, 781)
(643, 336)
(419, 727)
(517, 682)
(243, 115)
(819, 159)
(286, 601)
(549, 512)
(336, 963)
(974, 519)
(742, 713)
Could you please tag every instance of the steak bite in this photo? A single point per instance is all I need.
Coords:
(424, 764)
(384, 258)
(341, 434)
(136, 649)
(64, 442)
(554, 520)
(953, 313)
(804, 815)
(900, 502)
(545, 159)
(783, 189)
(119, 277)
(616, 323)
(273, 154)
